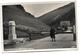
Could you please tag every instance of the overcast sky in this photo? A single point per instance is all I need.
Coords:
(38, 9)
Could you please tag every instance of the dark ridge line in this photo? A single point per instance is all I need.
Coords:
(57, 9)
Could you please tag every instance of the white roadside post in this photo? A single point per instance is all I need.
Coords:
(12, 31)
(74, 33)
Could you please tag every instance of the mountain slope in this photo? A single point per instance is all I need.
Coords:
(22, 19)
(17, 14)
(66, 12)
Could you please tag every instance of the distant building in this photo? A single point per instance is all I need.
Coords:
(65, 23)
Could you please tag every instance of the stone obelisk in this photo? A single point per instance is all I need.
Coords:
(12, 31)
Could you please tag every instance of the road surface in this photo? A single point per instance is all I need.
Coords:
(62, 41)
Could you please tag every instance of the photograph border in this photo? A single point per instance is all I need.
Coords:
(40, 50)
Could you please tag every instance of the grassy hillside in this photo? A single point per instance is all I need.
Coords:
(66, 12)
(22, 19)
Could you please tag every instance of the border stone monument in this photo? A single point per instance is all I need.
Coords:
(12, 31)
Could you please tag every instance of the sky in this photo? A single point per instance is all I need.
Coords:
(39, 9)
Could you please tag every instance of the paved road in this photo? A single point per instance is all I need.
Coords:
(62, 41)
